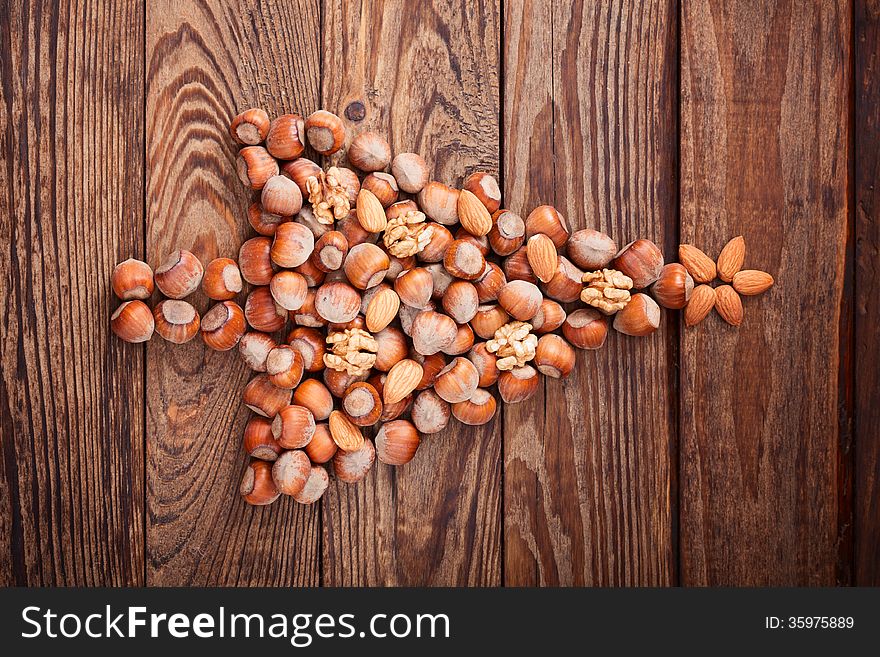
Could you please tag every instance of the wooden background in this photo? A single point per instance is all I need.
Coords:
(707, 456)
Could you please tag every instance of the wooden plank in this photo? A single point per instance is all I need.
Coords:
(71, 395)
(208, 60)
(867, 289)
(764, 154)
(426, 74)
(590, 92)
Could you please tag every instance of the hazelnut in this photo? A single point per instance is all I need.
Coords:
(477, 410)
(517, 268)
(307, 218)
(330, 251)
(310, 272)
(180, 275)
(567, 284)
(250, 127)
(591, 250)
(383, 186)
(337, 381)
(641, 260)
(315, 487)
(439, 202)
(508, 232)
(397, 442)
(407, 314)
(485, 362)
(490, 283)
(392, 348)
(293, 244)
(366, 265)
(255, 166)
(262, 312)
(430, 413)
(264, 398)
(310, 344)
(222, 279)
(674, 287)
(306, 315)
(641, 316)
(464, 260)
(257, 486)
(361, 404)
(410, 171)
(284, 367)
(285, 137)
(586, 328)
(133, 321)
(291, 471)
(369, 152)
(254, 348)
(132, 279)
(255, 261)
(464, 340)
(457, 381)
(432, 332)
(299, 171)
(293, 426)
(281, 196)
(289, 289)
(259, 442)
(518, 384)
(321, 447)
(176, 321)
(554, 357)
(431, 366)
(353, 232)
(223, 325)
(489, 318)
(314, 395)
(351, 467)
(484, 186)
(479, 241)
(414, 287)
(520, 299)
(337, 302)
(325, 132)
(547, 220)
(549, 317)
(437, 239)
(264, 222)
(398, 265)
(441, 278)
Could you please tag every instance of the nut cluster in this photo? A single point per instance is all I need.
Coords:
(392, 301)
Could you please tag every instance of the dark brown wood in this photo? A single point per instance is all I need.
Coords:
(764, 154)
(867, 289)
(590, 106)
(426, 75)
(71, 207)
(207, 61)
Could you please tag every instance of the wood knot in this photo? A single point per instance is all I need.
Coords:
(355, 111)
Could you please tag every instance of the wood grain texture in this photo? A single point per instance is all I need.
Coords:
(71, 198)
(208, 60)
(764, 153)
(867, 290)
(590, 93)
(427, 75)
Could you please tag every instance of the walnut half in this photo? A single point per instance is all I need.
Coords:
(328, 197)
(405, 235)
(514, 344)
(606, 290)
(353, 351)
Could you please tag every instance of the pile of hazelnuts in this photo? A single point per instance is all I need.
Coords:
(409, 301)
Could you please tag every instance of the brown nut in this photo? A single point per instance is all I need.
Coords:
(285, 139)
(410, 171)
(315, 487)
(281, 196)
(517, 268)
(567, 284)
(642, 261)
(730, 260)
(314, 276)
(484, 186)
(518, 384)
(315, 396)
(132, 279)
(431, 367)
(520, 299)
(473, 215)
(257, 486)
(299, 171)
(330, 251)
(133, 321)
(337, 302)
(485, 362)
(542, 256)
(641, 316)
(353, 232)
(392, 348)
(397, 442)
(590, 249)
(337, 381)
(321, 447)
(464, 340)
(351, 467)
(293, 426)
(414, 287)
(254, 348)
(259, 442)
(383, 186)
(401, 380)
(369, 152)
(255, 166)
(439, 202)
(490, 283)
(464, 260)
(432, 332)
(457, 381)
(250, 127)
(547, 220)
(222, 279)
(461, 301)
(481, 242)
(264, 222)
(263, 398)
(549, 317)
(700, 305)
(346, 434)
(727, 302)
(223, 326)
(508, 232)
(255, 261)
(289, 289)
(176, 321)
(309, 342)
(325, 132)
(430, 413)
(700, 266)
(291, 471)
(382, 310)
(674, 287)
(438, 241)
(477, 410)
(180, 275)
(586, 328)
(554, 357)
(293, 244)
(489, 318)
(370, 212)
(262, 312)
(284, 366)
(361, 404)
(366, 265)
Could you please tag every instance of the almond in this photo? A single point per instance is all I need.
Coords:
(542, 256)
(751, 281)
(700, 266)
(370, 213)
(731, 258)
(402, 379)
(701, 303)
(344, 433)
(382, 309)
(729, 305)
(473, 215)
